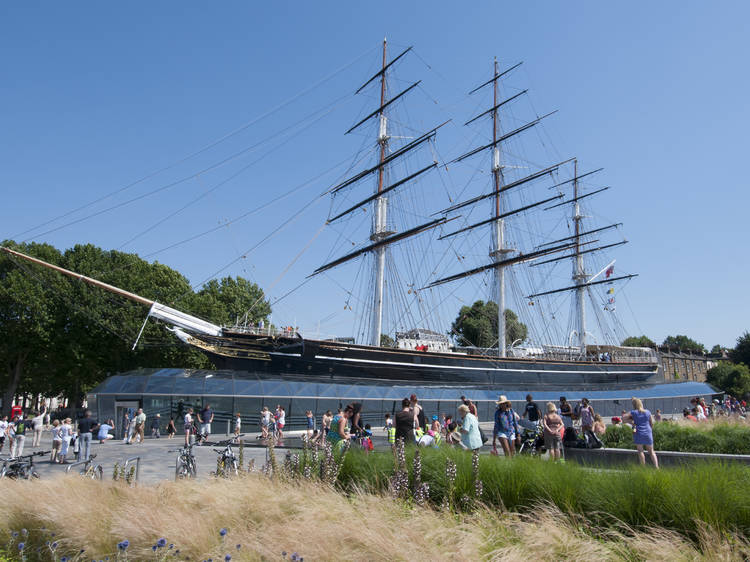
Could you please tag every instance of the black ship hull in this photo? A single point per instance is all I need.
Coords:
(328, 361)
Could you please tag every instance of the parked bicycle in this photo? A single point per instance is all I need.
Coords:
(185, 465)
(227, 458)
(89, 470)
(21, 468)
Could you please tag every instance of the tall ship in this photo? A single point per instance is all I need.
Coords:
(540, 249)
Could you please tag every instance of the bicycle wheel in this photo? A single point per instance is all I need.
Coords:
(181, 471)
(233, 468)
(32, 474)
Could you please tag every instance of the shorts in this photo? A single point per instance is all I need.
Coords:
(553, 442)
(206, 428)
(280, 426)
(2, 439)
(509, 437)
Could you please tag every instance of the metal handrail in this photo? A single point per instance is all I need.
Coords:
(137, 466)
(86, 462)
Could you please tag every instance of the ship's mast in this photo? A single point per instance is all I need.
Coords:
(380, 214)
(499, 234)
(579, 275)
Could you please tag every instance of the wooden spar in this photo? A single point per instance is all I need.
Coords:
(74, 275)
(157, 310)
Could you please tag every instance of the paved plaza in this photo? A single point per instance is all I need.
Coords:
(157, 456)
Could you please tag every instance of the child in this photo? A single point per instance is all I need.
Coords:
(435, 427)
(265, 422)
(237, 424)
(56, 441)
(310, 423)
(325, 426)
(171, 429)
(390, 431)
(367, 439)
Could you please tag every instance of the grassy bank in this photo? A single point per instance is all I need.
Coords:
(266, 517)
(720, 436)
(681, 499)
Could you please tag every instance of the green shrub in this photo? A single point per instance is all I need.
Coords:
(730, 438)
(676, 498)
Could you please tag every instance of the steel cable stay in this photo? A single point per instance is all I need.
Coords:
(212, 144)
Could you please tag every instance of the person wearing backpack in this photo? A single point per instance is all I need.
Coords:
(19, 427)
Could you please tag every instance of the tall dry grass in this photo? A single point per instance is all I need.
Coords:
(267, 517)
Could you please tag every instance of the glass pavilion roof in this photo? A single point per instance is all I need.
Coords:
(191, 382)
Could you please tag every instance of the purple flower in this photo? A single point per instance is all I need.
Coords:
(14, 534)
(223, 532)
(171, 546)
(21, 545)
(54, 546)
(154, 548)
(228, 557)
(24, 532)
(64, 559)
(161, 543)
(123, 545)
(239, 546)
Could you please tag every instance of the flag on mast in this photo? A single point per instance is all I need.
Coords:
(610, 271)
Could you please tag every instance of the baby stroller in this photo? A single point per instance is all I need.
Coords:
(531, 440)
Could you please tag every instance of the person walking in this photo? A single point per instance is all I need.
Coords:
(37, 424)
(265, 422)
(188, 420)
(139, 427)
(171, 429)
(205, 418)
(470, 436)
(586, 414)
(531, 412)
(643, 435)
(66, 434)
(20, 428)
(85, 427)
(237, 424)
(506, 427)
(553, 431)
(155, 426)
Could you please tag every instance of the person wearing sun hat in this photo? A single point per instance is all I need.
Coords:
(506, 427)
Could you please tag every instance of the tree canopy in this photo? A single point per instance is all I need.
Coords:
(741, 352)
(62, 336)
(638, 341)
(730, 377)
(476, 325)
(683, 344)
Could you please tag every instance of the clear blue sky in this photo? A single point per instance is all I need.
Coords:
(96, 95)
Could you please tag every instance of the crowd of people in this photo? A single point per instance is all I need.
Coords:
(553, 424)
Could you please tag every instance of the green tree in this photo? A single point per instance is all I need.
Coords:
(638, 341)
(476, 325)
(730, 377)
(683, 344)
(717, 349)
(741, 352)
(28, 314)
(386, 341)
(232, 300)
